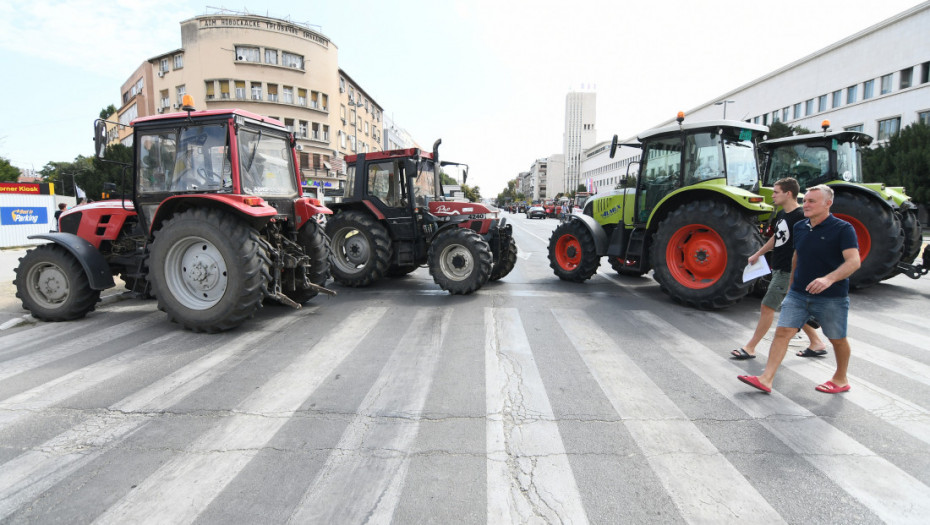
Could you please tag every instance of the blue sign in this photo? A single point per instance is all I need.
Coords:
(10, 215)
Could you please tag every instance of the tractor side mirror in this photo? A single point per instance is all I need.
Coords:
(100, 138)
(465, 176)
(613, 146)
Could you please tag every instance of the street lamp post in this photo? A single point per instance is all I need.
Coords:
(724, 104)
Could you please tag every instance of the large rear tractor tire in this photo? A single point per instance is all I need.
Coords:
(913, 240)
(572, 252)
(53, 286)
(506, 261)
(699, 253)
(316, 246)
(206, 269)
(361, 248)
(879, 232)
(460, 261)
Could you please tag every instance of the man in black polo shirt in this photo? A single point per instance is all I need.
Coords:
(826, 253)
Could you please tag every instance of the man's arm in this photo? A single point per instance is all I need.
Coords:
(767, 247)
(850, 264)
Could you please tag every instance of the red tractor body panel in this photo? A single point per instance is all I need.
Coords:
(100, 221)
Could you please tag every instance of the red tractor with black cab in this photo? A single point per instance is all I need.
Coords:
(393, 219)
(216, 224)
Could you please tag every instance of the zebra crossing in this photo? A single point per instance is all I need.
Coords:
(505, 410)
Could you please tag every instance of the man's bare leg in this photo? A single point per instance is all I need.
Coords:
(766, 316)
(815, 342)
(843, 353)
(777, 353)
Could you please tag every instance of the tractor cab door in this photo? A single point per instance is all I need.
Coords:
(660, 174)
(388, 190)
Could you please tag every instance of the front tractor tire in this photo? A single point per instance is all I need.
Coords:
(460, 261)
(207, 270)
(699, 253)
(572, 253)
(361, 248)
(506, 261)
(316, 246)
(52, 285)
(878, 231)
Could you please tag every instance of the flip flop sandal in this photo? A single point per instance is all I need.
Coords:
(830, 388)
(811, 353)
(739, 354)
(754, 382)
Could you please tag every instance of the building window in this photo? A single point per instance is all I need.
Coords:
(784, 115)
(292, 60)
(765, 119)
(755, 120)
(906, 76)
(852, 94)
(272, 92)
(342, 85)
(868, 89)
(248, 54)
(837, 98)
(886, 84)
(182, 90)
(224, 89)
(924, 118)
(797, 111)
(178, 61)
(315, 131)
(822, 103)
(809, 107)
(288, 95)
(163, 66)
(857, 127)
(165, 99)
(271, 56)
(256, 90)
(315, 100)
(324, 102)
(240, 90)
(326, 132)
(210, 93)
(301, 97)
(888, 128)
(925, 72)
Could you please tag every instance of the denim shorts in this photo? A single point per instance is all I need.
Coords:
(830, 312)
(778, 288)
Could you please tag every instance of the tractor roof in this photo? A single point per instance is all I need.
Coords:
(182, 115)
(391, 154)
(839, 136)
(695, 126)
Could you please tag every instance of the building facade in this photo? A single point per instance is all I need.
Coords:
(268, 66)
(396, 137)
(580, 134)
(599, 172)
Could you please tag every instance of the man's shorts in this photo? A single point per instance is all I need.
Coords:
(778, 288)
(830, 312)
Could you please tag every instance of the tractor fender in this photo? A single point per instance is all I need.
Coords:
(597, 232)
(94, 263)
(868, 192)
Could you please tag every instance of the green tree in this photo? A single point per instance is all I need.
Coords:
(779, 129)
(902, 161)
(472, 193)
(107, 112)
(8, 172)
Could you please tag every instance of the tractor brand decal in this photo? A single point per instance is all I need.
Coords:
(22, 215)
(476, 216)
(442, 208)
(608, 213)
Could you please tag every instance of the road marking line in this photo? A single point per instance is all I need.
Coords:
(183, 487)
(899, 333)
(529, 476)
(364, 476)
(714, 491)
(892, 494)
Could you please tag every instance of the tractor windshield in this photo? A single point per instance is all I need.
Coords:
(424, 187)
(742, 166)
(849, 162)
(804, 162)
(194, 158)
(716, 155)
(266, 165)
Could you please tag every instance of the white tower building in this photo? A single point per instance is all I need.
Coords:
(580, 134)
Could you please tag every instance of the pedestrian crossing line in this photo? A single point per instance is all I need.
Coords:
(881, 403)
(529, 476)
(889, 492)
(25, 477)
(713, 490)
(183, 487)
(611, 276)
(362, 479)
(83, 379)
(66, 348)
(891, 361)
(38, 336)
(900, 334)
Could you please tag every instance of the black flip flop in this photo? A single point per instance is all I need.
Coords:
(811, 353)
(739, 354)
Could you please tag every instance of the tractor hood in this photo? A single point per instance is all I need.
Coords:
(452, 208)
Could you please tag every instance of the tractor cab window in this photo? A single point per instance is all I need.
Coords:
(741, 161)
(266, 164)
(386, 182)
(703, 158)
(849, 162)
(196, 158)
(804, 162)
(424, 187)
(660, 174)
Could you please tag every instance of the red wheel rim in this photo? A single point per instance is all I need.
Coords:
(696, 256)
(862, 234)
(568, 252)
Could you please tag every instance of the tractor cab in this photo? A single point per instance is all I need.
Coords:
(815, 158)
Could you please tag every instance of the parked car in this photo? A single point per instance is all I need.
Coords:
(536, 212)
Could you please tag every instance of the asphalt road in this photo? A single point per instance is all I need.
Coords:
(531, 401)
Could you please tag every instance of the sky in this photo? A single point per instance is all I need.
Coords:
(489, 77)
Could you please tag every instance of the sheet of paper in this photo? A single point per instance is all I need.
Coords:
(759, 269)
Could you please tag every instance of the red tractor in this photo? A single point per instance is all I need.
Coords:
(393, 218)
(217, 223)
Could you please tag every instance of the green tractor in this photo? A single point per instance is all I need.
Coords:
(884, 217)
(691, 214)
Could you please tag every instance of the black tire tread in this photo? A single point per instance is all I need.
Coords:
(590, 260)
(884, 229)
(506, 261)
(481, 253)
(81, 300)
(380, 248)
